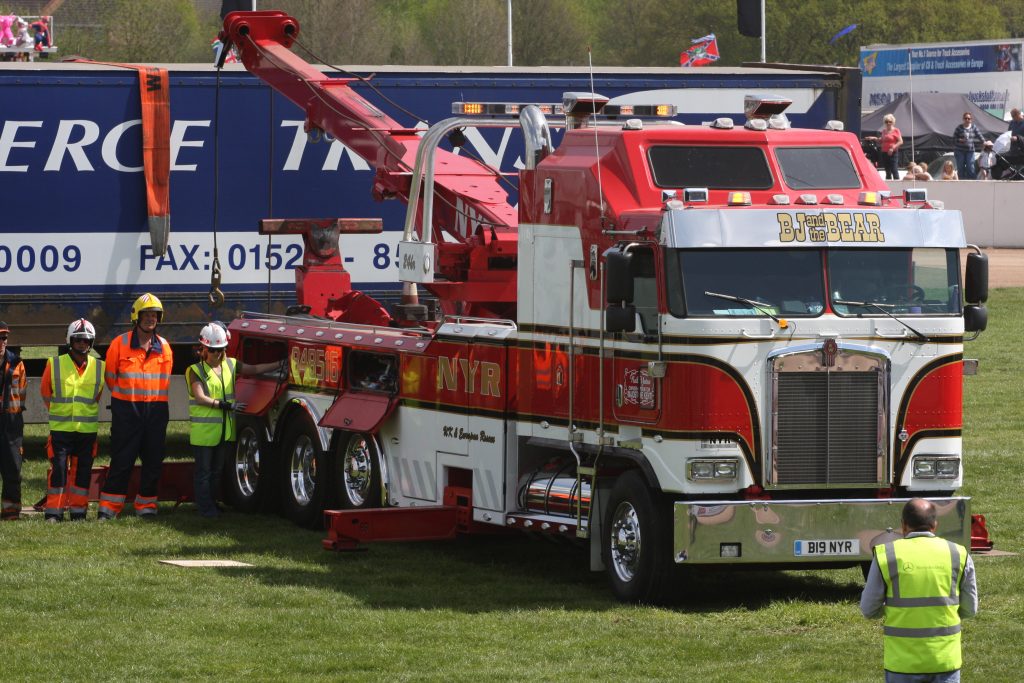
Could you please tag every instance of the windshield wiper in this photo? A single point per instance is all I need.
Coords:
(884, 309)
(759, 305)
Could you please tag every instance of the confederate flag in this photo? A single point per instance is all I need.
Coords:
(703, 52)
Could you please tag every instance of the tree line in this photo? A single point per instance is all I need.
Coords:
(545, 32)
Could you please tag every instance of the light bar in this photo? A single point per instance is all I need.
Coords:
(501, 108)
(653, 110)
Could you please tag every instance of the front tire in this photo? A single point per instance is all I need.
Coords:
(358, 472)
(636, 547)
(303, 468)
(248, 477)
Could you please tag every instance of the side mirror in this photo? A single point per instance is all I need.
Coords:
(618, 268)
(976, 279)
(620, 319)
(975, 318)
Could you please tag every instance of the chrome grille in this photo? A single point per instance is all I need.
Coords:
(828, 424)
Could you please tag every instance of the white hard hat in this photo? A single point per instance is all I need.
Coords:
(81, 329)
(213, 336)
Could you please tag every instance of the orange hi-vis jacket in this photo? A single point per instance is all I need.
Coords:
(13, 384)
(134, 374)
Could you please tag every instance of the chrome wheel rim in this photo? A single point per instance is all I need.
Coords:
(247, 462)
(358, 470)
(625, 541)
(303, 469)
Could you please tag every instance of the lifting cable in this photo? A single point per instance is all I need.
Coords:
(216, 296)
(270, 194)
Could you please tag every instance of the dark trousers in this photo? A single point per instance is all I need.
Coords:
(136, 430)
(68, 447)
(892, 171)
(206, 480)
(10, 462)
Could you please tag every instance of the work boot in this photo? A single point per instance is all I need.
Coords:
(50, 519)
(104, 515)
(146, 513)
(77, 516)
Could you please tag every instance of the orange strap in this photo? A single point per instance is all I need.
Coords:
(155, 97)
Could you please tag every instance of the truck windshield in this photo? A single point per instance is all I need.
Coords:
(716, 168)
(817, 168)
(919, 281)
(784, 282)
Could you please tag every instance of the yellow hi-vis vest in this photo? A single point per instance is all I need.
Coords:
(74, 405)
(922, 597)
(210, 426)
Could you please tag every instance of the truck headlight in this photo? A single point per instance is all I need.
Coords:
(712, 469)
(930, 467)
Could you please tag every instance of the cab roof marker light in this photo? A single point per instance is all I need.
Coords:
(778, 122)
(869, 199)
(633, 124)
(739, 199)
(780, 199)
(835, 125)
(695, 195)
(834, 199)
(724, 122)
(807, 199)
(756, 124)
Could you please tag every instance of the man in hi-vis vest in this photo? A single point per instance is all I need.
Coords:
(922, 585)
(71, 386)
(138, 374)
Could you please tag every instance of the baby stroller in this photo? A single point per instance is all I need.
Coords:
(1010, 159)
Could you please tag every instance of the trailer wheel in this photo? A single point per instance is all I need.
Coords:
(636, 546)
(358, 472)
(247, 481)
(304, 473)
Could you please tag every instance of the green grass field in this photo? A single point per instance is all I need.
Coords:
(90, 601)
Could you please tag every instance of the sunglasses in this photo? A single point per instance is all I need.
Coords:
(4, 338)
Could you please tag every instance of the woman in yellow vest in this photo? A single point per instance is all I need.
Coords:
(211, 393)
(71, 386)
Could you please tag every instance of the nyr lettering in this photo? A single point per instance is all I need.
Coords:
(462, 374)
(830, 227)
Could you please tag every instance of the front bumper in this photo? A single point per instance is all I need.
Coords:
(766, 530)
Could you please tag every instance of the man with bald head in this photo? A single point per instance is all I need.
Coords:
(921, 585)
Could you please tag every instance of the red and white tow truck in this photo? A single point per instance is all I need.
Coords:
(689, 345)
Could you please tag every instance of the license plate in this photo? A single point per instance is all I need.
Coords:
(827, 547)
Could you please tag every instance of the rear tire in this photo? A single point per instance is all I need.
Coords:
(636, 547)
(303, 473)
(358, 472)
(248, 480)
